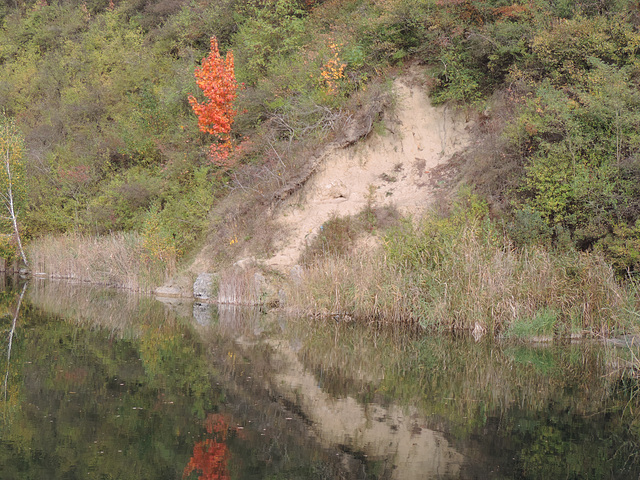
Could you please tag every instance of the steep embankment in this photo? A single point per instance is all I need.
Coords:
(392, 165)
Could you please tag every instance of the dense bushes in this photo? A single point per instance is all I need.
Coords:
(100, 90)
(102, 100)
(558, 86)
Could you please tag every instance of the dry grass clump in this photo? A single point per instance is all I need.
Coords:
(240, 286)
(456, 272)
(339, 235)
(358, 285)
(487, 281)
(115, 260)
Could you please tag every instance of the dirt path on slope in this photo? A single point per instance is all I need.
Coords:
(393, 164)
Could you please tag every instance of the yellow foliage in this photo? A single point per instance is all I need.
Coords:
(333, 71)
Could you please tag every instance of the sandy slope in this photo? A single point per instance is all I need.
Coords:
(393, 162)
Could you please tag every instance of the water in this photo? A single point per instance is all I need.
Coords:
(103, 385)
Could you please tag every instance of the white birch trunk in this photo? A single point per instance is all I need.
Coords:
(11, 208)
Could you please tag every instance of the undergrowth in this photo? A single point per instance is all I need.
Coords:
(119, 150)
(453, 272)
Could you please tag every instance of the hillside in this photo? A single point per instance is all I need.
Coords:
(329, 144)
(390, 168)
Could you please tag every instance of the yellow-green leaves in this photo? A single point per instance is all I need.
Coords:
(12, 153)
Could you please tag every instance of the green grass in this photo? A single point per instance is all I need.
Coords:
(542, 324)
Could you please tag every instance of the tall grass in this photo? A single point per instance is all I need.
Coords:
(239, 286)
(462, 270)
(116, 260)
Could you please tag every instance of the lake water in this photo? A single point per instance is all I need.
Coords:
(99, 384)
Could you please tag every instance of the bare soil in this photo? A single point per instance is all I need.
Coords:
(399, 163)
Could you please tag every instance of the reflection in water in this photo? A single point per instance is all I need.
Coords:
(392, 433)
(211, 456)
(105, 384)
(10, 341)
(439, 407)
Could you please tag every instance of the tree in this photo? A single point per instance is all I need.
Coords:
(11, 173)
(216, 78)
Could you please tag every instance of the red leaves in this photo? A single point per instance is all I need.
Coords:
(211, 456)
(216, 78)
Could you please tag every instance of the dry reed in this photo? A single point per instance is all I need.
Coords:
(115, 260)
(470, 275)
(239, 286)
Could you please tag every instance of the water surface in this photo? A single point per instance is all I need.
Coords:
(101, 384)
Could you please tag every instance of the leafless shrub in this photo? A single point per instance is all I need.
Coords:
(305, 120)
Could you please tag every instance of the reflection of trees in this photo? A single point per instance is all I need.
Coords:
(94, 306)
(10, 341)
(118, 394)
(88, 401)
(549, 411)
(211, 456)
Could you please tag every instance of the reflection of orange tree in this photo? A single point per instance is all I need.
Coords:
(210, 456)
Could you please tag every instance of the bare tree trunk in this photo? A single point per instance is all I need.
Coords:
(12, 212)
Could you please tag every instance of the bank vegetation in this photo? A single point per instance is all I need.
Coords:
(121, 186)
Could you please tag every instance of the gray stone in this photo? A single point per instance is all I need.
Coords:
(296, 273)
(260, 282)
(205, 286)
(245, 263)
(335, 190)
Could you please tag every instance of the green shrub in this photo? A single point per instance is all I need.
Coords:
(267, 32)
(8, 248)
(335, 237)
(543, 323)
(529, 228)
(622, 248)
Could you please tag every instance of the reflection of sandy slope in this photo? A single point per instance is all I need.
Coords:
(377, 431)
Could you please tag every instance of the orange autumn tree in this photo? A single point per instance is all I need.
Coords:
(217, 80)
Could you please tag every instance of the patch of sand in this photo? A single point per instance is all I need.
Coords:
(389, 167)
